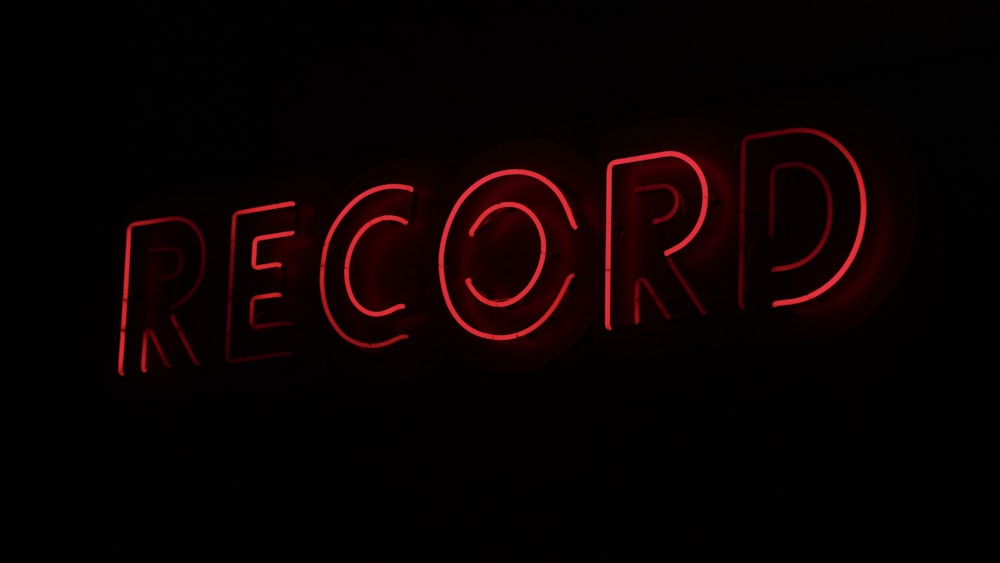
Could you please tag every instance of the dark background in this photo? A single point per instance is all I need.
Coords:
(870, 435)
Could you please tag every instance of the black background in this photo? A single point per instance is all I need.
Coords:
(870, 435)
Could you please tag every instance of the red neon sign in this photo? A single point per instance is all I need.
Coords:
(517, 262)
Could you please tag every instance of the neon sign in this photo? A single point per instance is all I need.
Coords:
(794, 232)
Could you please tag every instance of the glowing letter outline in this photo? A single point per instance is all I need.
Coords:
(862, 193)
(508, 301)
(255, 298)
(668, 252)
(180, 301)
(322, 268)
(444, 243)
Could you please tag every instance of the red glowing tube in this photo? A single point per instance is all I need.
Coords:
(253, 312)
(530, 328)
(255, 266)
(176, 252)
(687, 288)
(260, 238)
(444, 242)
(644, 283)
(829, 213)
(147, 336)
(322, 268)
(678, 200)
(347, 268)
(174, 305)
(703, 210)
(184, 340)
(507, 301)
(742, 215)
